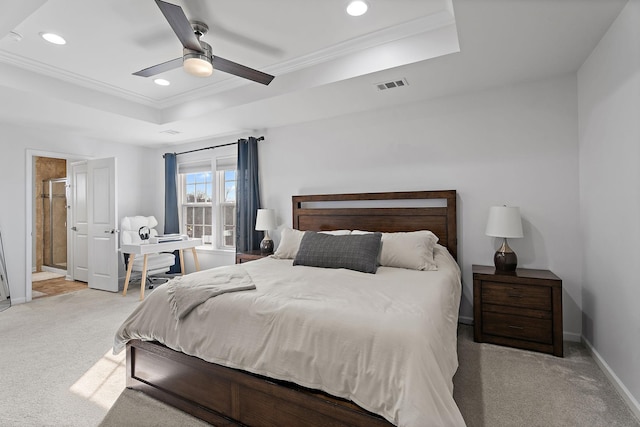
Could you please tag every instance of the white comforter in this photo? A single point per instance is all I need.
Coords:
(386, 341)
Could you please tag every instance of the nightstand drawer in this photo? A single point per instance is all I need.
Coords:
(535, 297)
(519, 327)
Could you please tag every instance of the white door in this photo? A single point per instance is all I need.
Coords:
(79, 223)
(102, 214)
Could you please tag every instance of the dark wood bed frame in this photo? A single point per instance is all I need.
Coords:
(229, 397)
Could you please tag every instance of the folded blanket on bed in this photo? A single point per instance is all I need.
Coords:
(189, 291)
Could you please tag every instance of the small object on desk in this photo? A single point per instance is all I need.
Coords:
(520, 309)
(168, 238)
(249, 256)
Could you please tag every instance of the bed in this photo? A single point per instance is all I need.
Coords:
(238, 385)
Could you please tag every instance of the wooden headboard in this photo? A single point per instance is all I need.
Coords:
(393, 212)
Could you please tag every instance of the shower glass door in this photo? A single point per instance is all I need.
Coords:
(55, 223)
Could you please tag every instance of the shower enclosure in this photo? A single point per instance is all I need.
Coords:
(54, 223)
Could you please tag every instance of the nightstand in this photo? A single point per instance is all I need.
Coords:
(520, 309)
(249, 256)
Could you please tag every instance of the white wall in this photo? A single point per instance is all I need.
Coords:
(511, 145)
(135, 187)
(609, 117)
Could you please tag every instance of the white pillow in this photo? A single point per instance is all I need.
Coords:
(412, 250)
(290, 241)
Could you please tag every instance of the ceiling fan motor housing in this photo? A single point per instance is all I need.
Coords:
(206, 54)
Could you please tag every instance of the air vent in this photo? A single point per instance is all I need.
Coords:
(170, 132)
(392, 84)
(15, 36)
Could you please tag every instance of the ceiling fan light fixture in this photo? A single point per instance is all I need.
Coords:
(197, 65)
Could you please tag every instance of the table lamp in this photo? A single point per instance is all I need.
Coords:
(265, 221)
(504, 222)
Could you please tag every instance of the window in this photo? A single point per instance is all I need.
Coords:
(197, 204)
(209, 201)
(228, 208)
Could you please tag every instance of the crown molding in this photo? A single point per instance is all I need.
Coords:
(74, 78)
(376, 38)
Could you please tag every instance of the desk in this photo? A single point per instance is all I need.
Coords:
(152, 248)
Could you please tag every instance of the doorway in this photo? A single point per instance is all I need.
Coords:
(40, 167)
(50, 208)
(101, 203)
(50, 215)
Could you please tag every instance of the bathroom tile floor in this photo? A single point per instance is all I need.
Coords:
(56, 287)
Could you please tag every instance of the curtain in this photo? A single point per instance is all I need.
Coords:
(247, 196)
(171, 218)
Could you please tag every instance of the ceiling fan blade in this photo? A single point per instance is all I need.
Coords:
(160, 68)
(241, 71)
(180, 24)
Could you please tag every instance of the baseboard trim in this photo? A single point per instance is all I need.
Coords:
(465, 320)
(570, 336)
(622, 390)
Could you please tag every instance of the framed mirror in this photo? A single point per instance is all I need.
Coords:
(5, 299)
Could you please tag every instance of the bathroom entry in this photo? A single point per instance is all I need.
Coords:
(50, 219)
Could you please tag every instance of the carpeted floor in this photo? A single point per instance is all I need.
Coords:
(55, 352)
(499, 386)
(58, 370)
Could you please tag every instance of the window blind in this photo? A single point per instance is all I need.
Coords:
(226, 163)
(195, 167)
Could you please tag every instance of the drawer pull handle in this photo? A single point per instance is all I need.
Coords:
(516, 327)
(515, 295)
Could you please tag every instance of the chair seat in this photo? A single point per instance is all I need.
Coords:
(154, 261)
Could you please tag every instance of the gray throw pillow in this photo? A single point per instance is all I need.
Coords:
(359, 252)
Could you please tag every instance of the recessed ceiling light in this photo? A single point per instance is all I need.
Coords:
(162, 82)
(53, 38)
(357, 8)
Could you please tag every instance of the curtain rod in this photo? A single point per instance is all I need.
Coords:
(261, 138)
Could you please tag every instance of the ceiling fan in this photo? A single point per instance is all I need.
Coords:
(197, 57)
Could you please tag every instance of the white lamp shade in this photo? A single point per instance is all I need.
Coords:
(504, 221)
(265, 220)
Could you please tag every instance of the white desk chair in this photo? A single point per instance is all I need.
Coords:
(130, 235)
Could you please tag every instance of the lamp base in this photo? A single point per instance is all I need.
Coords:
(505, 259)
(266, 246)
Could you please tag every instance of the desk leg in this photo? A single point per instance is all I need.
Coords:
(195, 259)
(181, 262)
(126, 280)
(143, 281)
